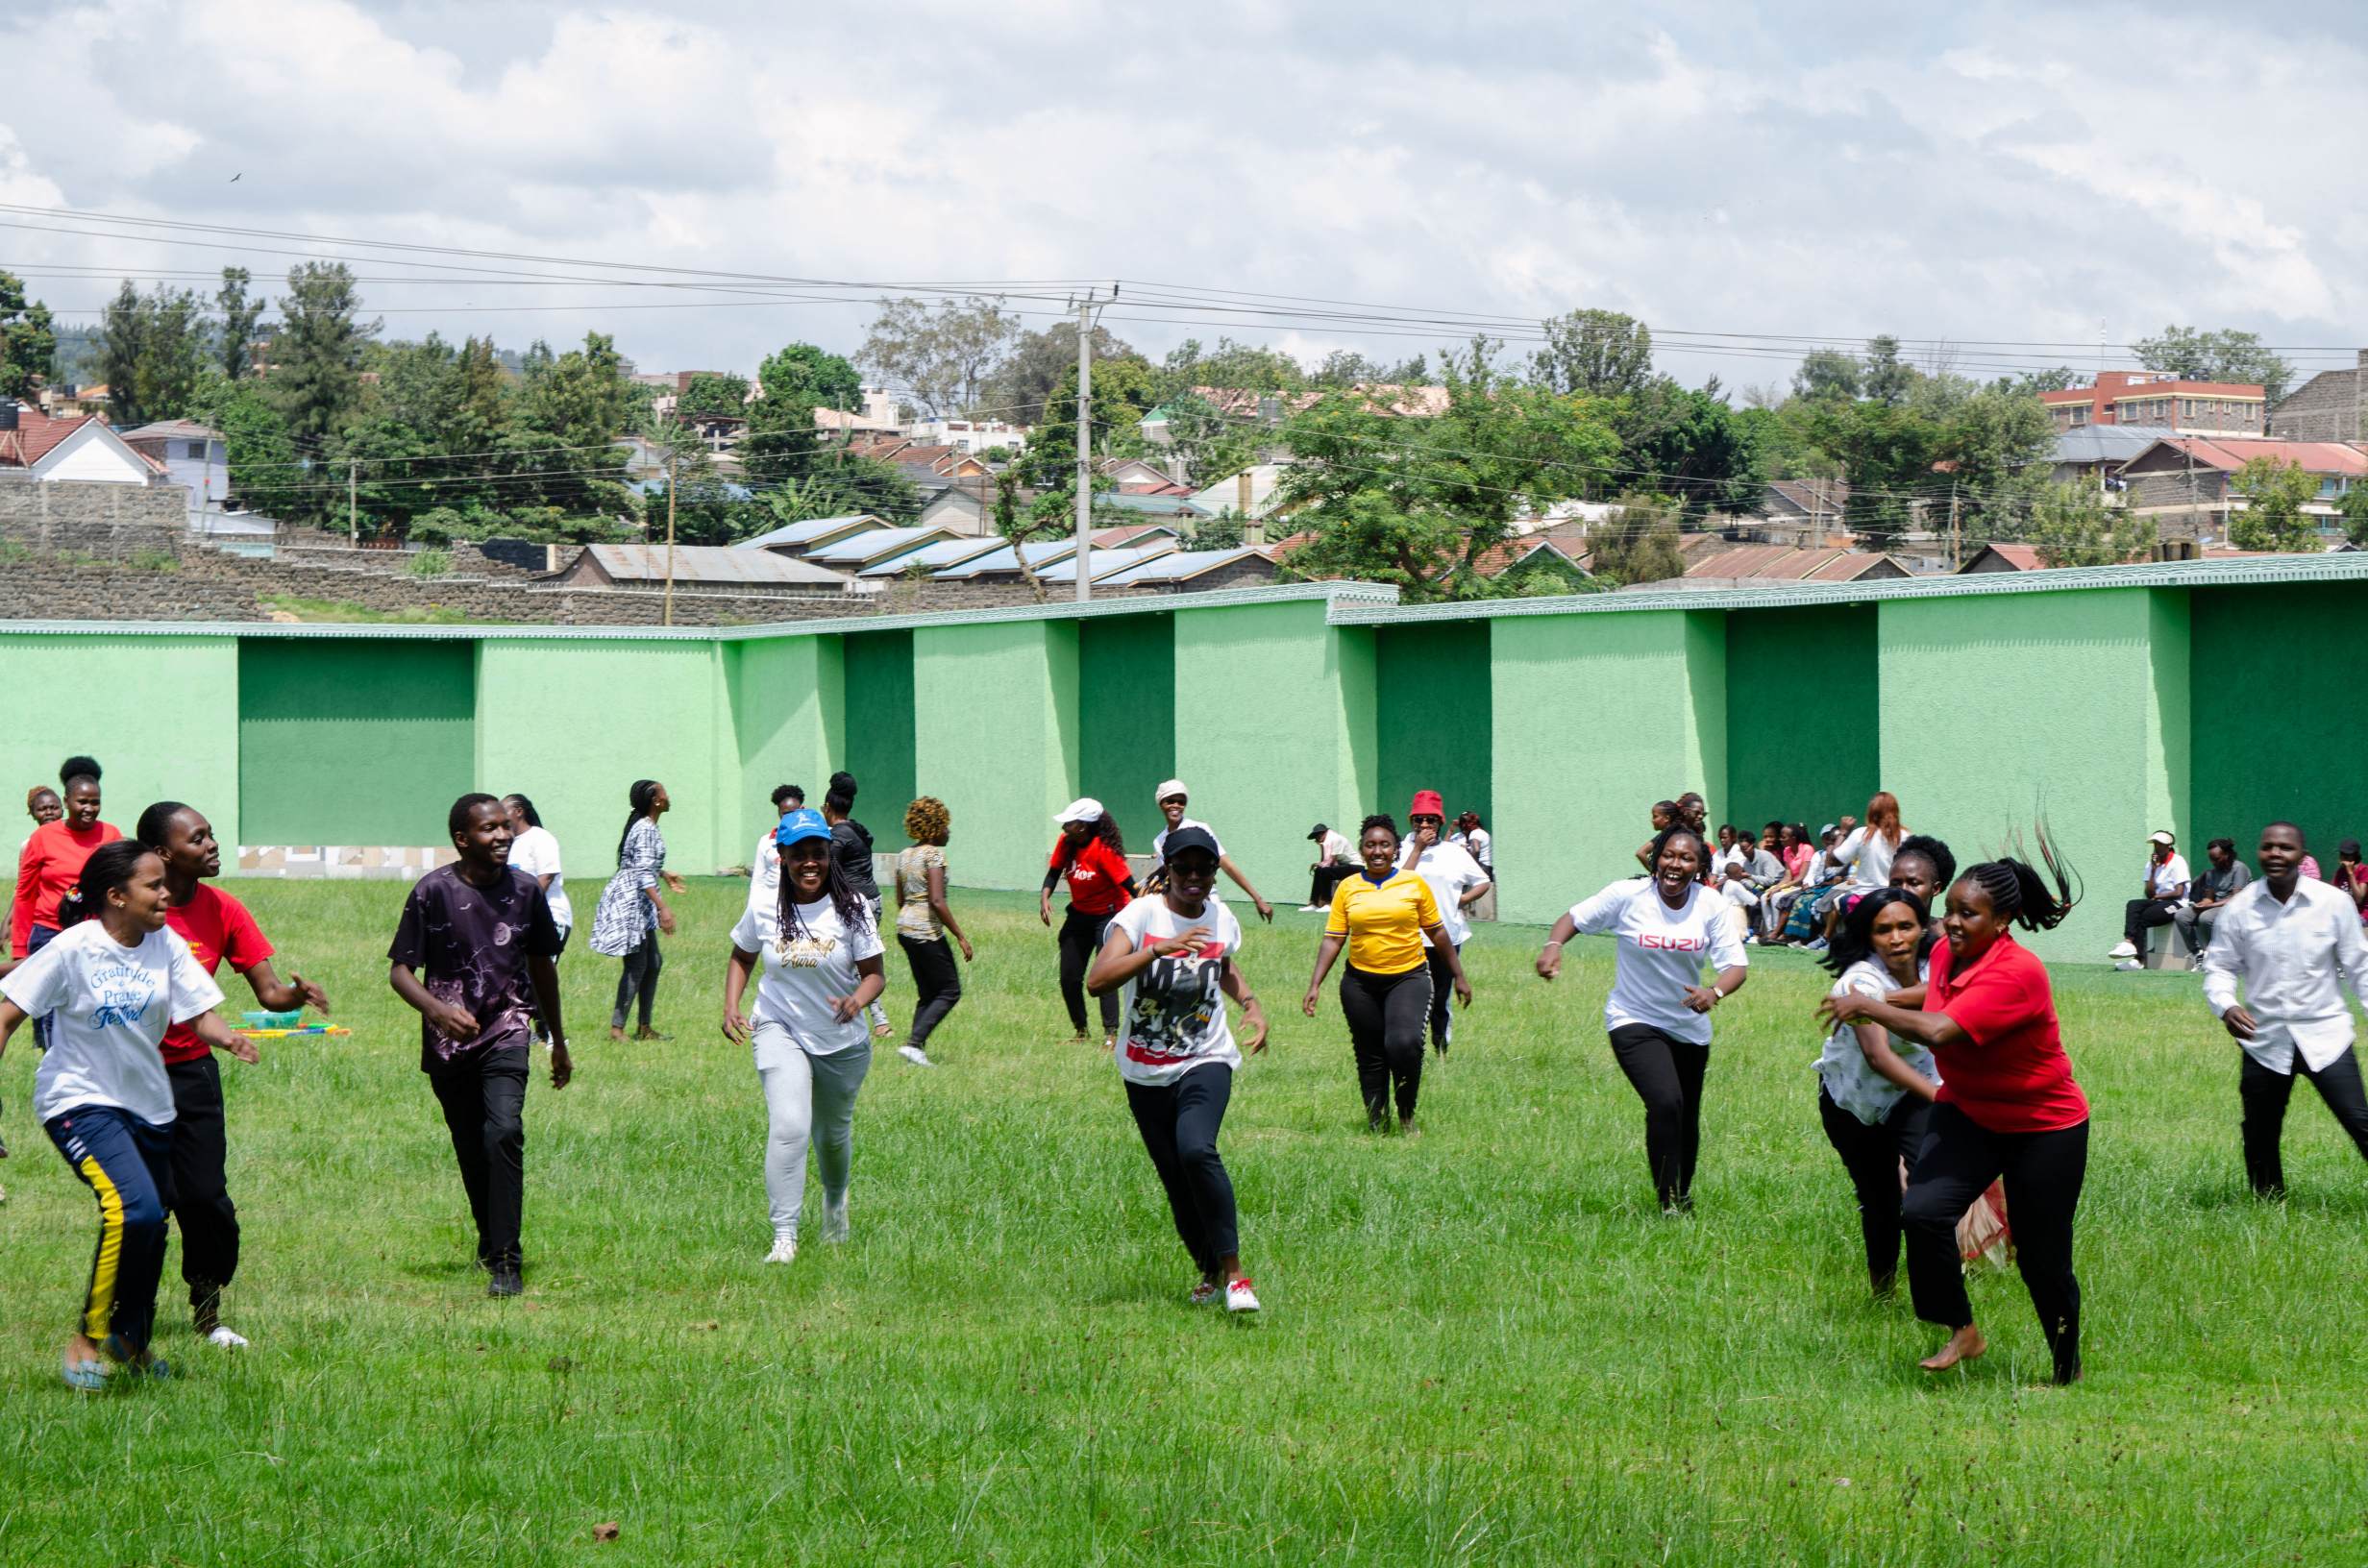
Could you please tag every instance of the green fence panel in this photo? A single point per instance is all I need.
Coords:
(788, 724)
(1802, 745)
(353, 743)
(881, 748)
(997, 721)
(2276, 683)
(1127, 716)
(1433, 713)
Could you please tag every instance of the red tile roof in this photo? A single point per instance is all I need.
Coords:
(36, 435)
(2231, 455)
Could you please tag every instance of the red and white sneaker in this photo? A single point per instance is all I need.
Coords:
(1240, 1297)
(1204, 1292)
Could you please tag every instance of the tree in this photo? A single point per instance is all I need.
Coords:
(1887, 454)
(2223, 355)
(235, 333)
(1692, 446)
(712, 394)
(1124, 390)
(2072, 526)
(1240, 367)
(571, 410)
(264, 473)
(155, 351)
(2273, 518)
(2354, 509)
(943, 357)
(1346, 367)
(28, 338)
(1032, 369)
(1599, 353)
(316, 375)
(1994, 443)
(1826, 375)
(1637, 543)
(1887, 378)
(781, 442)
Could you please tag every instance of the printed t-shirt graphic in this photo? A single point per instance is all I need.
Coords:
(1175, 1013)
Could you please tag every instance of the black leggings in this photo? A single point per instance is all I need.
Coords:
(1954, 1165)
(2265, 1093)
(1871, 1153)
(639, 979)
(1179, 1123)
(200, 1148)
(1667, 1074)
(935, 980)
(1442, 997)
(1385, 1016)
(1081, 936)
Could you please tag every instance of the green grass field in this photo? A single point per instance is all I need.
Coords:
(1482, 1346)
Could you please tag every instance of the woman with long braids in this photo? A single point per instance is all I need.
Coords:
(2007, 1104)
(1874, 1089)
(1382, 916)
(820, 954)
(1658, 1012)
(632, 911)
(1091, 856)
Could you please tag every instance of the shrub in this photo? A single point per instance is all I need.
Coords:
(430, 563)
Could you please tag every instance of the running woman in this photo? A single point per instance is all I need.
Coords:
(217, 928)
(851, 841)
(1171, 800)
(924, 921)
(1172, 954)
(51, 862)
(112, 986)
(1874, 1089)
(1457, 881)
(1659, 1012)
(820, 955)
(631, 912)
(2008, 1105)
(1383, 916)
(1091, 856)
(474, 937)
(2290, 943)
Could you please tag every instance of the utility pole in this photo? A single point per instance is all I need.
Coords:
(352, 516)
(671, 457)
(1957, 553)
(1085, 449)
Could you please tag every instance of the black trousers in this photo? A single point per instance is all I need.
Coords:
(1666, 1073)
(1327, 877)
(201, 1185)
(1871, 1153)
(1080, 939)
(935, 980)
(638, 981)
(2265, 1094)
(1443, 998)
(1180, 1122)
(484, 1093)
(2137, 917)
(1955, 1164)
(1386, 1014)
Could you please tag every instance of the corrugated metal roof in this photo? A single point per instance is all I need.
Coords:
(1177, 566)
(1148, 506)
(172, 429)
(870, 545)
(2229, 454)
(1104, 563)
(2107, 443)
(709, 563)
(944, 553)
(1041, 554)
(811, 530)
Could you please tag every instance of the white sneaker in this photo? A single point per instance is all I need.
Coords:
(1313, 909)
(914, 1054)
(1240, 1297)
(226, 1339)
(834, 1220)
(784, 1250)
(2128, 963)
(2125, 949)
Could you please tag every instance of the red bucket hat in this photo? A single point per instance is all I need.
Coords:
(1427, 803)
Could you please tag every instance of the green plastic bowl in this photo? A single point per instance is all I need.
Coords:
(274, 1020)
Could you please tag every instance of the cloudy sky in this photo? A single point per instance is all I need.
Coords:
(2026, 175)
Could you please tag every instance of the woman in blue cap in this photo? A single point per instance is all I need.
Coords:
(820, 953)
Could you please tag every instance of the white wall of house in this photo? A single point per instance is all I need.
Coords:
(94, 455)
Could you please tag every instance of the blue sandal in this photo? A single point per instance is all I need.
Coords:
(86, 1375)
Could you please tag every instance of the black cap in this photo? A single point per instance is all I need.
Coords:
(1319, 831)
(1190, 838)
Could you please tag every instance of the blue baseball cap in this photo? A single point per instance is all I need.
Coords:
(801, 823)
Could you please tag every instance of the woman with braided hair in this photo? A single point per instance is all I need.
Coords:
(2008, 1105)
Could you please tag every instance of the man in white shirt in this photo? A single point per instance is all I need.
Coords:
(1332, 863)
(2165, 888)
(1172, 800)
(2292, 941)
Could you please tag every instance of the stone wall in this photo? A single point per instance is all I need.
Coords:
(2331, 405)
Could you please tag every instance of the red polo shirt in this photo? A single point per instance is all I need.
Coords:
(217, 926)
(1097, 877)
(2010, 1074)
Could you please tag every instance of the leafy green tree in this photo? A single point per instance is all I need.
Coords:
(570, 411)
(28, 338)
(2354, 510)
(781, 442)
(1346, 367)
(1240, 367)
(2061, 378)
(1887, 378)
(839, 484)
(316, 354)
(154, 354)
(711, 393)
(2222, 355)
(264, 473)
(240, 315)
(2072, 526)
(944, 358)
(1691, 445)
(1601, 353)
(1124, 390)
(1887, 454)
(1031, 369)
(1827, 375)
(1638, 542)
(2273, 518)
(1995, 444)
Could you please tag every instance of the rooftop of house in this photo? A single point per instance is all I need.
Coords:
(810, 529)
(172, 429)
(37, 435)
(2229, 452)
(944, 553)
(709, 563)
(1178, 566)
(1102, 563)
(872, 544)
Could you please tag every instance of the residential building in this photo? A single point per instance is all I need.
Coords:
(1197, 570)
(811, 534)
(964, 505)
(973, 437)
(2331, 405)
(83, 449)
(702, 569)
(1133, 477)
(2186, 483)
(878, 417)
(1253, 494)
(1745, 566)
(932, 558)
(876, 547)
(1107, 563)
(1795, 512)
(2094, 454)
(191, 456)
(2001, 558)
(2148, 397)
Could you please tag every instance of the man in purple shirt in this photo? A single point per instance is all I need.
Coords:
(471, 937)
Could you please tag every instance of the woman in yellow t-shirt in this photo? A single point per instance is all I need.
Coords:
(1381, 916)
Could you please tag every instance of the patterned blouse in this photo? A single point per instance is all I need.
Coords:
(626, 915)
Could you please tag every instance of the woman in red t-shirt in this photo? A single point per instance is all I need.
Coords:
(1092, 858)
(51, 861)
(2008, 1105)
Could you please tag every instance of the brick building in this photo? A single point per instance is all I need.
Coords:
(2331, 405)
(2149, 397)
(2185, 482)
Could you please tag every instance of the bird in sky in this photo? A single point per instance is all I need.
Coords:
(235, 177)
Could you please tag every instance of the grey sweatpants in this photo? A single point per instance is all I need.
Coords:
(809, 1101)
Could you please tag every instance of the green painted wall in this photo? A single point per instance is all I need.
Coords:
(1793, 678)
(788, 723)
(161, 713)
(574, 723)
(996, 713)
(1127, 714)
(1433, 714)
(1600, 715)
(1275, 729)
(2276, 683)
(363, 742)
(880, 747)
(1996, 708)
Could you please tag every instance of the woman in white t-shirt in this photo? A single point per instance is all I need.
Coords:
(1874, 1089)
(535, 849)
(821, 957)
(1657, 1015)
(1170, 953)
(1457, 881)
(111, 984)
(1869, 849)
